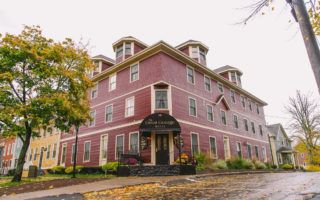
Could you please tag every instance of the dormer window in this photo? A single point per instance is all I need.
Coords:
(119, 51)
(202, 54)
(124, 49)
(194, 52)
(128, 49)
(235, 78)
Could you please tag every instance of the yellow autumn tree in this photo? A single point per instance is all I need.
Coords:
(301, 148)
(314, 14)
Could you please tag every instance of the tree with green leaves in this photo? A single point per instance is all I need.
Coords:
(305, 123)
(43, 83)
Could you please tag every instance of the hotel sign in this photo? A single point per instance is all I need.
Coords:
(159, 122)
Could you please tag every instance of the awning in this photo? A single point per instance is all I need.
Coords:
(159, 122)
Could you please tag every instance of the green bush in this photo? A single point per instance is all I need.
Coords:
(274, 166)
(260, 165)
(235, 163)
(69, 170)
(201, 159)
(248, 164)
(219, 164)
(57, 169)
(287, 166)
(110, 166)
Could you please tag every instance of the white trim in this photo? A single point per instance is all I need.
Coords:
(249, 144)
(226, 157)
(72, 152)
(105, 113)
(63, 145)
(256, 147)
(234, 115)
(244, 126)
(153, 148)
(135, 132)
(109, 82)
(234, 93)
(195, 106)
(137, 63)
(115, 146)
(126, 105)
(237, 142)
(219, 83)
(132, 48)
(204, 79)
(197, 141)
(264, 153)
(225, 114)
(253, 127)
(155, 90)
(103, 160)
(96, 89)
(215, 141)
(193, 74)
(84, 150)
(244, 102)
(169, 99)
(208, 105)
(171, 149)
(94, 119)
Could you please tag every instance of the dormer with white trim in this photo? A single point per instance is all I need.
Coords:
(126, 47)
(101, 63)
(231, 73)
(195, 49)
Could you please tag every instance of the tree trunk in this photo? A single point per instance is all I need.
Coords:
(21, 160)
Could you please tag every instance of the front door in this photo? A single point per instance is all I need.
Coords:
(162, 149)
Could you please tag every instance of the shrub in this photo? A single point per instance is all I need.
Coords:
(260, 165)
(219, 164)
(313, 168)
(287, 166)
(57, 169)
(69, 170)
(274, 166)
(91, 170)
(248, 164)
(11, 172)
(203, 161)
(235, 163)
(110, 166)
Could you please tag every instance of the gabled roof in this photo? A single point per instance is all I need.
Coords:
(193, 42)
(162, 46)
(221, 98)
(227, 68)
(128, 39)
(275, 128)
(104, 58)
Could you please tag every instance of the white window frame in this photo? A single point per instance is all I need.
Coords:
(253, 127)
(237, 142)
(84, 150)
(218, 84)
(105, 113)
(243, 105)
(256, 147)
(208, 105)
(197, 141)
(124, 49)
(138, 67)
(193, 75)
(216, 153)
(155, 99)
(264, 154)
(257, 109)
(234, 93)
(260, 130)
(62, 146)
(115, 146)
(197, 54)
(54, 150)
(110, 83)
(250, 105)
(95, 88)
(126, 106)
(189, 103)
(101, 147)
(244, 125)
(225, 113)
(71, 157)
(94, 119)
(237, 121)
(205, 76)
(248, 144)
(226, 157)
(131, 133)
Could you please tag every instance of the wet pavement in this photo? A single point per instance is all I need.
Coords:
(298, 185)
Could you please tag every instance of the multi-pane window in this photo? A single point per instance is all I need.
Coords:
(207, 83)
(87, 146)
(239, 81)
(92, 122)
(119, 51)
(213, 147)
(250, 104)
(256, 149)
(48, 151)
(129, 107)
(119, 145)
(253, 128)
(54, 152)
(109, 111)
(134, 72)
(243, 103)
(194, 144)
(249, 154)
(112, 82)
(264, 154)
(94, 92)
(235, 121)
(161, 99)
(128, 48)
(220, 87)
(233, 77)
(226, 146)
(63, 154)
(73, 153)
(245, 123)
(134, 142)
(258, 111)
(239, 151)
(192, 107)
(260, 130)
(209, 113)
(223, 117)
(194, 52)
(104, 146)
(190, 75)
(232, 95)
(202, 54)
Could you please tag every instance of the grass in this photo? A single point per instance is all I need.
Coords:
(5, 181)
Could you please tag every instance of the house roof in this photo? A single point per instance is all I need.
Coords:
(274, 130)
(177, 54)
(104, 58)
(227, 68)
(193, 42)
(284, 150)
(128, 39)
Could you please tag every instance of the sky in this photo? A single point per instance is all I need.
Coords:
(269, 49)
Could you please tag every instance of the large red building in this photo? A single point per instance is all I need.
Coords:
(216, 115)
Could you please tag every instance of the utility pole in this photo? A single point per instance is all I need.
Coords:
(300, 14)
